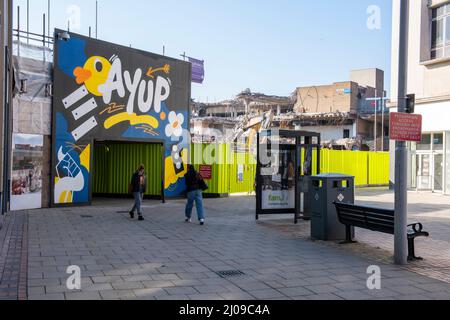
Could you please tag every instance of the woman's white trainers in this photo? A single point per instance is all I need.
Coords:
(188, 220)
(202, 222)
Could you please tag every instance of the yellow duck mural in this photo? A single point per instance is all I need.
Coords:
(94, 73)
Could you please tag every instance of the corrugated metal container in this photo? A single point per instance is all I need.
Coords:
(368, 168)
(217, 156)
(346, 162)
(247, 163)
(115, 163)
(379, 164)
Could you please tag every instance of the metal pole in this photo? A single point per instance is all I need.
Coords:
(96, 19)
(401, 152)
(18, 31)
(382, 122)
(28, 21)
(48, 27)
(43, 31)
(375, 145)
(43, 37)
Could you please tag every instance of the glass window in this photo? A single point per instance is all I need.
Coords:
(425, 144)
(447, 30)
(438, 141)
(437, 53)
(440, 32)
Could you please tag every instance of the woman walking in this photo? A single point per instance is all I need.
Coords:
(194, 182)
(138, 187)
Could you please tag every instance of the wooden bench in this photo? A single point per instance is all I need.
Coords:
(379, 220)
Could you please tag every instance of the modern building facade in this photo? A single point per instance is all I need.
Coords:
(429, 79)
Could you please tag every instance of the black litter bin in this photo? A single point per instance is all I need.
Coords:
(325, 190)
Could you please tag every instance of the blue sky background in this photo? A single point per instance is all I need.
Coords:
(269, 46)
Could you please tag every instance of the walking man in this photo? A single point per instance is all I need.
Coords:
(138, 187)
(194, 183)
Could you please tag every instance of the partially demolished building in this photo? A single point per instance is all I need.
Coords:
(345, 113)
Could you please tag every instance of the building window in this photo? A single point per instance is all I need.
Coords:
(440, 32)
(438, 142)
(346, 134)
(425, 144)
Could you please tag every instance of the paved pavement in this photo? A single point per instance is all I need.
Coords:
(165, 258)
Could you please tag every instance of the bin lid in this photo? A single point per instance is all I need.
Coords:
(333, 176)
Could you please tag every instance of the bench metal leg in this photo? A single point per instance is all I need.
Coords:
(348, 236)
(412, 251)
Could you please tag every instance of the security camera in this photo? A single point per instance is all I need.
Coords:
(65, 36)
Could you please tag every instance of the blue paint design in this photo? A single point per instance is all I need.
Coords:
(64, 137)
(176, 190)
(71, 54)
(134, 133)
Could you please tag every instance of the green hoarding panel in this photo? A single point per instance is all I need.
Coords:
(115, 163)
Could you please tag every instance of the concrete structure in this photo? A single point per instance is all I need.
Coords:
(428, 78)
(353, 115)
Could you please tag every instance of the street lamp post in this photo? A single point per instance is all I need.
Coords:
(401, 152)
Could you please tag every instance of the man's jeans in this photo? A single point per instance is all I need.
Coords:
(197, 197)
(137, 202)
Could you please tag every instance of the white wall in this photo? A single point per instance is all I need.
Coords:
(331, 132)
(436, 116)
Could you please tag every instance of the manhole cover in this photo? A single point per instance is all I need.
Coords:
(230, 273)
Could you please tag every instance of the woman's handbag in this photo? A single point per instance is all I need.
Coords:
(202, 184)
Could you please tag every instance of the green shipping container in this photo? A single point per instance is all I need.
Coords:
(115, 163)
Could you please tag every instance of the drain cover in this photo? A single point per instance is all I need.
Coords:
(230, 273)
(86, 216)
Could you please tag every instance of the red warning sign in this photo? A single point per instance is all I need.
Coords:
(406, 127)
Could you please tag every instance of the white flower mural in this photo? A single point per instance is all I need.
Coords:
(175, 127)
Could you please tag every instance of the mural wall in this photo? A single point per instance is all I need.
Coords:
(106, 92)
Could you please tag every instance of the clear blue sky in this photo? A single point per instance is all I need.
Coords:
(269, 46)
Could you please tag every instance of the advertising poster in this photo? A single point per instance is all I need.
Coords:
(278, 189)
(26, 177)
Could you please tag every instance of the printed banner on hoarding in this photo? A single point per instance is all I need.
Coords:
(26, 186)
(198, 70)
